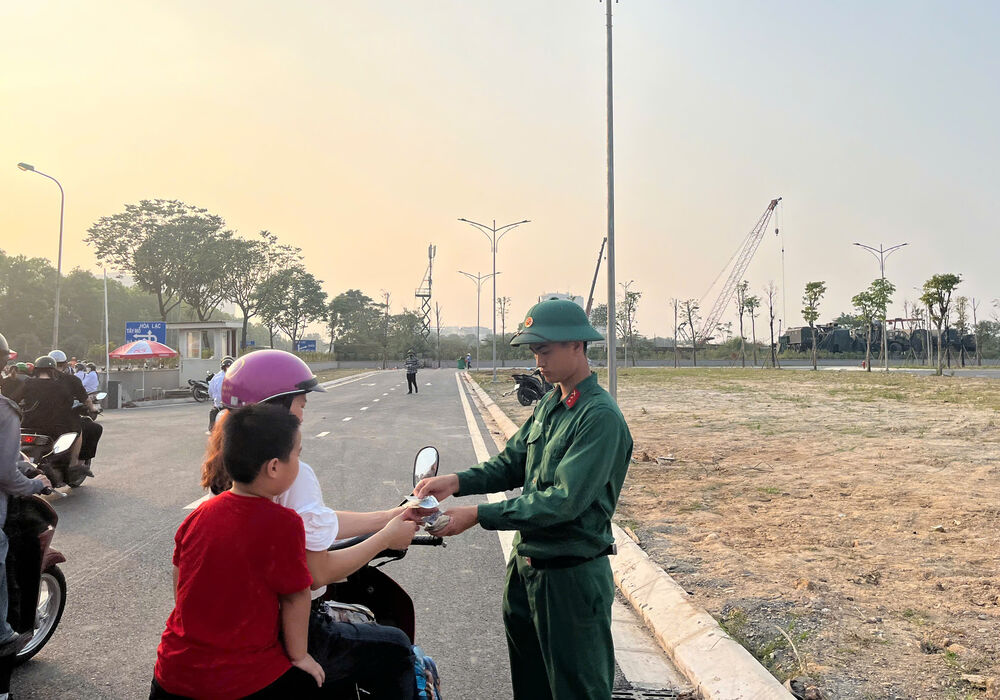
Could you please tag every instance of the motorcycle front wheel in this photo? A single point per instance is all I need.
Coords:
(526, 397)
(51, 602)
(199, 394)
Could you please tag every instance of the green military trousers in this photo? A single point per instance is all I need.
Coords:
(558, 624)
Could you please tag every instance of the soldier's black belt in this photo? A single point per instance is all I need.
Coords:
(566, 562)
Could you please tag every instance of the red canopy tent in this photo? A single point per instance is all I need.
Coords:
(142, 350)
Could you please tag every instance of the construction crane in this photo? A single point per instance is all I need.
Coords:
(423, 294)
(742, 257)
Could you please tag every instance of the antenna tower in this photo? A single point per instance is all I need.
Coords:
(423, 294)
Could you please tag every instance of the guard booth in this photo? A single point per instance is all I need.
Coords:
(203, 344)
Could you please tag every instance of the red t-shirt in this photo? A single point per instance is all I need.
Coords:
(236, 555)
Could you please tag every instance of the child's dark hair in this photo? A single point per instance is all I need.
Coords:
(254, 435)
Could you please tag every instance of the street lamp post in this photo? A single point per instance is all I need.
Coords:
(62, 207)
(881, 254)
(478, 279)
(491, 233)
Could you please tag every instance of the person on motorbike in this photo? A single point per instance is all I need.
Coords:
(48, 406)
(91, 379)
(12, 482)
(90, 431)
(215, 391)
(378, 657)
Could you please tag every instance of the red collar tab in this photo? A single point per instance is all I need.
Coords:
(573, 397)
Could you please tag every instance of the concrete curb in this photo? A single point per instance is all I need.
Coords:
(714, 663)
(348, 379)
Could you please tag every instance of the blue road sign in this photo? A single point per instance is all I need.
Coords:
(146, 330)
(305, 346)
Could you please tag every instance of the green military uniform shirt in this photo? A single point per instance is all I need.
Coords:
(570, 459)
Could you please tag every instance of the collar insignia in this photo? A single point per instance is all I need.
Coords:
(572, 398)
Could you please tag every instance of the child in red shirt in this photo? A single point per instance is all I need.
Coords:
(241, 585)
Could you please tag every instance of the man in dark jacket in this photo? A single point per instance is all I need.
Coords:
(412, 364)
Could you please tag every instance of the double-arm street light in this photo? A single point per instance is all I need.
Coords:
(491, 233)
(478, 279)
(62, 206)
(881, 254)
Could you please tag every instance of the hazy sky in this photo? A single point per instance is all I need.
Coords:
(361, 132)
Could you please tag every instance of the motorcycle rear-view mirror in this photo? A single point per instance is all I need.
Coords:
(64, 442)
(100, 396)
(426, 464)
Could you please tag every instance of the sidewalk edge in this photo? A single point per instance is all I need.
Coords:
(713, 662)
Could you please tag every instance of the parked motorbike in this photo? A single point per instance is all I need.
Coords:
(95, 400)
(529, 387)
(199, 388)
(52, 462)
(36, 586)
(370, 595)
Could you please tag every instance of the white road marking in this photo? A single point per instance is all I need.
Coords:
(346, 419)
(372, 384)
(427, 384)
(323, 434)
(482, 454)
(392, 388)
(364, 408)
(376, 400)
(385, 393)
(194, 504)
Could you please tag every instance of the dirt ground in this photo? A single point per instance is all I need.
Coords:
(843, 526)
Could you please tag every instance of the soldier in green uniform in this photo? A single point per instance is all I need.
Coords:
(569, 460)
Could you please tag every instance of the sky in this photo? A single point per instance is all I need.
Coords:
(362, 132)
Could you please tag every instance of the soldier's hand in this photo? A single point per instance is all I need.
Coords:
(462, 518)
(438, 486)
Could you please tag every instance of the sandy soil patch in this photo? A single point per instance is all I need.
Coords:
(843, 526)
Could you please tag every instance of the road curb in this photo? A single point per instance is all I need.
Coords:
(349, 378)
(712, 661)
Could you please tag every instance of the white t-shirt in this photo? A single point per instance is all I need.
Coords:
(306, 498)
(215, 388)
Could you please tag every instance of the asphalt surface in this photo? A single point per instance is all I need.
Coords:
(117, 535)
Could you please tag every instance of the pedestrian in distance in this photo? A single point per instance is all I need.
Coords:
(215, 391)
(570, 459)
(12, 482)
(468, 360)
(412, 364)
(251, 551)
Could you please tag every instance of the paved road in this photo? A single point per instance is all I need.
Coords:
(360, 437)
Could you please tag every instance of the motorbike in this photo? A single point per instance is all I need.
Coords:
(529, 387)
(199, 388)
(35, 584)
(95, 400)
(370, 595)
(54, 463)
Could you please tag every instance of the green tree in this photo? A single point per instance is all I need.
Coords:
(866, 308)
(248, 265)
(289, 301)
(354, 324)
(881, 291)
(741, 307)
(625, 316)
(810, 311)
(159, 242)
(752, 306)
(690, 313)
(937, 298)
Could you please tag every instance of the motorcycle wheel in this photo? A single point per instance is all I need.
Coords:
(199, 394)
(525, 397)
(75, 481)
(51, 602)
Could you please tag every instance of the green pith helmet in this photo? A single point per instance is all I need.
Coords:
(554, 321)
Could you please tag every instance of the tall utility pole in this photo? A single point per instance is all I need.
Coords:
(437, 320)
(881, 254)
(479, 279)
(424, 294)
(26, 167)
(675, 334)
(593, 285)
(612, 342)
(491, 233)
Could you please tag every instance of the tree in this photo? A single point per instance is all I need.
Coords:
(962, 324)
(355, 324)
(741, 307)
(881, 291)
(625, 316)
(503, 305)
(248, 265)
(937, 298)
(976, 332)
(690, 309)
(810, 311)
(752, 305)
(291, 300)
(771, 292)
(866, 308)
(159, 243)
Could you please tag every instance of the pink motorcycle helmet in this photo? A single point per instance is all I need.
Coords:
(264, 375)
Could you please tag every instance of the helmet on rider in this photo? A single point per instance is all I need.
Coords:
(22, 367)
(226, 361)
(31, 367)
(45, 363)
(58, 355)
(265, 375)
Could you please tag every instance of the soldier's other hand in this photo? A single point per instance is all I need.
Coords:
(462, 518)
(438, 486)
